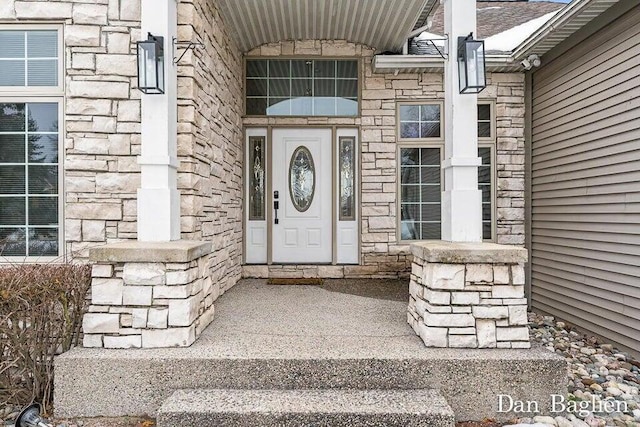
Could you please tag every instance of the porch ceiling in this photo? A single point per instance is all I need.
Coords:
(383, 25)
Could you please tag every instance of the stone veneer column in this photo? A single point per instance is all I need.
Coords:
(146, 295)
(468, 295)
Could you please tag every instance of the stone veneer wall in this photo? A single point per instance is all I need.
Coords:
(210, 132)
(382, 254)
(102, 124)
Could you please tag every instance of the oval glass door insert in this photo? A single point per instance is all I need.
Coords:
(302, 178)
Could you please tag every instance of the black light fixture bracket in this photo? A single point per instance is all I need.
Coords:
(186, 45)
(443, 50)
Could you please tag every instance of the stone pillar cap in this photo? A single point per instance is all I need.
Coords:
(135, 251)
(469, 253)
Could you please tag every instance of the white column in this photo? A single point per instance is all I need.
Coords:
(462, 201)
(158, 198)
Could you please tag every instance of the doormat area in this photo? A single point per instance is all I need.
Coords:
(294, 281)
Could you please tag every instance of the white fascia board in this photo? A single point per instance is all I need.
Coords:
(426, 63)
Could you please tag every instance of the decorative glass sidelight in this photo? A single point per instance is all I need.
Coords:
(256, 178)
(302, 178)
(346, 160)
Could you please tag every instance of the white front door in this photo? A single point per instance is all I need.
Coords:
(302, 167)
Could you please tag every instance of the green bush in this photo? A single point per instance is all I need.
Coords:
(41, 308)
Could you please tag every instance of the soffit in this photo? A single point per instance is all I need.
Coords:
(383, 25)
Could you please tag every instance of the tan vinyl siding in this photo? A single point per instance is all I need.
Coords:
(585, 194)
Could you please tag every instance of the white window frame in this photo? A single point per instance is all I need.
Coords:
(485, 142)
(39, 90)
(44, 94)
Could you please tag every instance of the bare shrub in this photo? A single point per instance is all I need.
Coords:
(41, 308)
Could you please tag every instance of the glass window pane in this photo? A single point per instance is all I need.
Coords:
(43, 148)
(409, 113)
(301, 87)
(256, 178)
(484, 112)
(257, 68)
(486, 211)
(324, 88)
(431, 212)
(42, 44)
(279, 87)
(12, 242)
(410, 130)
(43, 179)
(302, 106)
(43, 211)
(12, 117)
(43, 242)
(256, 106)
(12, 73)
(410, 175)
(430, 193)
(347, 69)
(301, 68)
(430, 156)
(429, 130)
(431, 231)
(324, 68)
(486, 193)
(279, 107)
(430, 113)
(13, 210)
(43, 117)
(324, 106)
(12, 43)
(256, 87)
(484, 130)
(12, 149)
(430, 175)
(347, 178)
(302, 175)
(484, 174)
(279, 68)
(12, 179)
(410, 212)
(410, 193)
(410, 156)
(410, 230)
(486, 231)
(346, 107)
(485, 155)
(347, 88)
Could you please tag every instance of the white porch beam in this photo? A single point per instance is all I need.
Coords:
(461, 201)
(158, 197)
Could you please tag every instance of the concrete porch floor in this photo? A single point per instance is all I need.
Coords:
(344, 334)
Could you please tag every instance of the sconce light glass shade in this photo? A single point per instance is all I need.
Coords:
(471, 65)
(151, 65)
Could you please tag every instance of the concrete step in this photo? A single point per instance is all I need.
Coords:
(282, 408)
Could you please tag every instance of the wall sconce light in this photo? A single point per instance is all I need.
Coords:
(471, 65)
(30, 417)
(151, 65)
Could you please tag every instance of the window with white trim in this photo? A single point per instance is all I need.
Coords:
(421, 175)
(30, 143)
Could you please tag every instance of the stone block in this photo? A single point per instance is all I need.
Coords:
(172, 292)
(479, 273)
(517, 274)
(518, 333)
(443, 276)
(465, 298)
(118, 43)
(93, 230)
(108, 211)
(42, 10)
(117, 65)
(7, 10)
(518, 315)
(101, 270)
(130, 10)
(157, 318)
(100, 323)
(139, 318)
(106, 291)
(463, 341)
(137, 295)
(448, 320)
(172, 337)
(433, 337)
(501, 275)
(80, 35)
(435, 297)
(462, 331)
(129, 111)
(126, 341)
(330, 271)
(184, 312)
(181, 277)
(507, 291)
(92, 340)
(493, 312)
(98, 90)
(486, 333)
(144, 273)
(89, 14)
